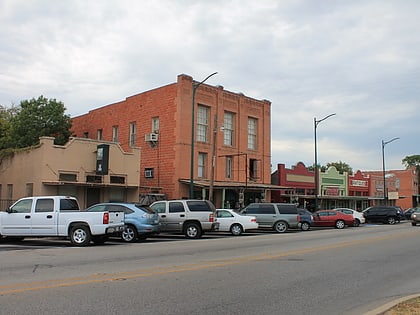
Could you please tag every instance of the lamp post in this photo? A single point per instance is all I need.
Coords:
(195, 85)
(316, 123)
(384, 143)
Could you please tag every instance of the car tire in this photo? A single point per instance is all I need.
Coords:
(129, 235)
(391, 220)
(305, 226)
(281, 226)
(356, 222)
(80, 235)
(340, 224)
(236, 229)
(192, 230)
(413, 223)
(99, 240)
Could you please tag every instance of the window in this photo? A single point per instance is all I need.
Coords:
(29, 189)
(23, 206)
(93, 179)
(115, 133)
(10, 191)
(132, 135)
(229, 162)
(202, 161)
(117, 179)
(199, 205)
(155, 124)
(148, 172)
(253, 173)
(99, 134)
(228, 134)
(67, 177)
(202, 123)
(252, 133)
(69, 204)
(44, 205)
(176, 207)
(86, 134)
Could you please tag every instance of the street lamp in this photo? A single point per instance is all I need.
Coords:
(316, 123)
(195, 85)
(384, 143)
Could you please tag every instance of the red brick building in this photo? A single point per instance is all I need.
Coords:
(358, 187)
(232, 149)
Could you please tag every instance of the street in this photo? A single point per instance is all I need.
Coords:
(322, 271)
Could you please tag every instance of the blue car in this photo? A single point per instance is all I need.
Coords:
(306, 219)
(140, 221)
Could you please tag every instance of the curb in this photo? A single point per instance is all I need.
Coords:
(386, 307)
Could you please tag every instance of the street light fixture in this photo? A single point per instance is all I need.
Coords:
(316, 123)
(195, 85)
(384, 143)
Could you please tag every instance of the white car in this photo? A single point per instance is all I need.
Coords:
(235, 223)
(358, 216)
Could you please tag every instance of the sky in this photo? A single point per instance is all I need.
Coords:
(356, 59)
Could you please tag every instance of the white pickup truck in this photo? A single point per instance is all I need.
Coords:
(60, 216)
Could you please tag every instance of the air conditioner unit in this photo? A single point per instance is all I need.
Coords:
(151, 137)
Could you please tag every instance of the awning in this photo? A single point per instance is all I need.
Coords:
(233, 185)
(99, 185)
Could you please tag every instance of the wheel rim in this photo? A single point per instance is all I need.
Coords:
(339, 224)
(128, 234)
(236, 230)
(305, 226)
(79, 236)
(391, 221)
(192, 231)
(356, 222)
(281, 227)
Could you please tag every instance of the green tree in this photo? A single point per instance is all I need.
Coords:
(341, 167)
(39, 117)
(411, 160)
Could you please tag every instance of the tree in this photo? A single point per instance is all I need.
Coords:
(341, 167)
(411, 160)
(39, 117)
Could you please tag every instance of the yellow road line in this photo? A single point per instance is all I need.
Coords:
(143, 273)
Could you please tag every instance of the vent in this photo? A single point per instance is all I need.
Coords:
(151, 137)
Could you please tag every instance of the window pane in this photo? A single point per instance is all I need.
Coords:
(202, 123)
(228, 134)
(252, 133)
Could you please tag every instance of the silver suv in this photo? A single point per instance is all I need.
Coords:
(278, 216)
(191, 217)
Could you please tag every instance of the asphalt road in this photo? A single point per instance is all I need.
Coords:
(324, 271)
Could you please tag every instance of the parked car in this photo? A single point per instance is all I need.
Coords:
(277, 216)
(332, 218)
(358, 216)
(408, 212)
(140, 221)
(191, 217)
(415, 217)
(235, 223)
(382, 214)
(306, 219)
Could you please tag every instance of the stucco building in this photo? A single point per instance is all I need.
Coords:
(228, 132)
(91, 170)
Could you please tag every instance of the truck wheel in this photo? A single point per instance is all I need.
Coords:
(80, 235)
(192, 230)
(129, 234)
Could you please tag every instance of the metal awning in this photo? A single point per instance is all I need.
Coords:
(84, 184)
(233, 185)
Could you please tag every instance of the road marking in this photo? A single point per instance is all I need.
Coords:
(143, 273)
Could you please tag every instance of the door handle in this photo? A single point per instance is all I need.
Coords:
(49, 216)
(182, 215)
(163, 216)
(27, 216)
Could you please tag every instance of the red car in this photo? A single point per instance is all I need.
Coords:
(332, 218)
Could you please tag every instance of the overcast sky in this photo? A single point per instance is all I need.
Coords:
(359, 59)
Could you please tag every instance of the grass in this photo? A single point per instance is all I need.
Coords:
(409, 307)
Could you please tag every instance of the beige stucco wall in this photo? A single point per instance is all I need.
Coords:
(40, 167)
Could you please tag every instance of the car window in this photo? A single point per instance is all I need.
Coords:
(96, 208)
(69, 204)
(323, 213)
(159, 207)
(267, 209)
(198, 205)
(22, 206)
(287, 209)
(175, 207)
(118, 208)
(146, 209)
(251, 209)
(223, 214)
(44, 205)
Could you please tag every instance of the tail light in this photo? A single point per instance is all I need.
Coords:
(253, 220)
(298, 218)
(105, 219)
(211, 217)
